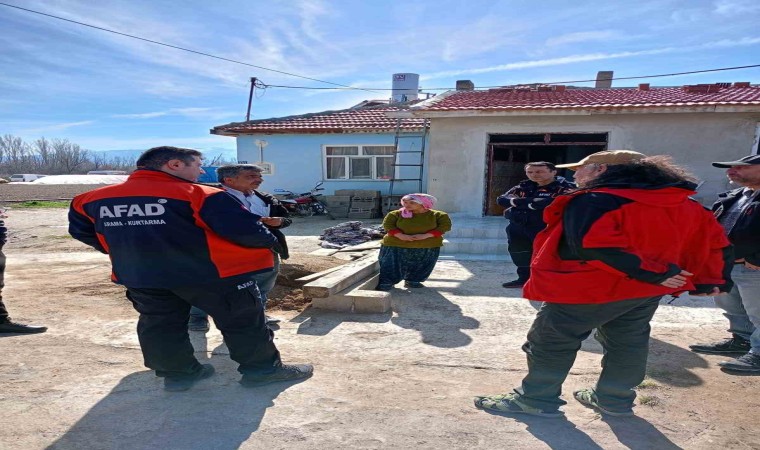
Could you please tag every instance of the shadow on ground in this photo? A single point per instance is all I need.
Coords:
(439, 321)
(633, 433)
(139, 414)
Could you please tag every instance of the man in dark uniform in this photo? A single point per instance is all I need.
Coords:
(739, 213)
(6, 324)
(175, 244)
(525, 205)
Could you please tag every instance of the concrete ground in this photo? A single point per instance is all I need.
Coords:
(399, 380)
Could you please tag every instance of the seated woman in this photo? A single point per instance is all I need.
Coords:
(411, 247)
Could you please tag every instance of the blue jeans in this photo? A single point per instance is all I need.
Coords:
(742, 305)
(265, 281)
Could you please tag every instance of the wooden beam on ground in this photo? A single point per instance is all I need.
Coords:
(314, 276)
(324, 252)
(347, 275)
(369, 245)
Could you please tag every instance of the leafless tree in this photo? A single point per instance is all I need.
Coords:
(44, 161)
(16, 154)
(220, 160)
(69, 156)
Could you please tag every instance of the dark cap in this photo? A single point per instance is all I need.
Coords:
(750, 160)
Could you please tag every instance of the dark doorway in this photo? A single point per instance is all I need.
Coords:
(508, 153)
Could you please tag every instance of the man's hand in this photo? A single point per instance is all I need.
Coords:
(271, 221)
(677, 281)
(751, 266)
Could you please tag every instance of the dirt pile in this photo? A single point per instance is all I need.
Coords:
(287, 295)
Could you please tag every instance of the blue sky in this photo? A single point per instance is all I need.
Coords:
(107, 92)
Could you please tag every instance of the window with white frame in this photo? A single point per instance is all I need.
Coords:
(358, 162)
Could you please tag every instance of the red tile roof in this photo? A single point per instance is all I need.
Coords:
(353, 120)
(560, 97)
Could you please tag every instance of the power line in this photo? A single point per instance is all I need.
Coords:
(181, 48)
(338, 85)
(546, 83)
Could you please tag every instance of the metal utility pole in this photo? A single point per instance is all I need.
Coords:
(250, 99)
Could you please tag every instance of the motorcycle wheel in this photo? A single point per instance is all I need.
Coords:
(304, 211)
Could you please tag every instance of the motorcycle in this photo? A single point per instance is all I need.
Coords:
(303, 205)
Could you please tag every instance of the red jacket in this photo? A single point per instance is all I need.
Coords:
(610, 244)
(164, 232)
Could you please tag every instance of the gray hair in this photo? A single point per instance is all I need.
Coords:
(233, 170)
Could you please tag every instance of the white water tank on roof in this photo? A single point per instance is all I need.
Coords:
(405, 86)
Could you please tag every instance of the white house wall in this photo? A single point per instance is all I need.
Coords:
(458, 146)
(298, 162)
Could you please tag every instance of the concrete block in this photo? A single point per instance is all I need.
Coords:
(367, 300)
(339, 303)
(372, 305)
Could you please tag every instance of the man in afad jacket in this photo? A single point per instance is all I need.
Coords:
(525, 204)
(609, 252)
(174, 243)
(739, 213)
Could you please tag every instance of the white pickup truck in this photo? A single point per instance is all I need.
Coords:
(25, 177)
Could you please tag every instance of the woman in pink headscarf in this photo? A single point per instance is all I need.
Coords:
(410, 248)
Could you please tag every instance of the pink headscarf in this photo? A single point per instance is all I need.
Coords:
(427, 202)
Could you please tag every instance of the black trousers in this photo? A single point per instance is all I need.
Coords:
(237, 313)
(556, 336)
(3, 310)
(520, 246)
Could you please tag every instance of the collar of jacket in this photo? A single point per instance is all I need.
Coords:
(731, 194)
(156, 175)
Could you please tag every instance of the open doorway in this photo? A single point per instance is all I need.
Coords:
(508, 154)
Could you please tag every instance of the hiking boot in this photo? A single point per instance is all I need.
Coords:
(732, 346)
(749, 363)
(196, 324)
(513, 284)
(185, 383)
(271, 320)
(283, 372)
(10, 326)
(413, 284)
(508, 404)
(587, 398)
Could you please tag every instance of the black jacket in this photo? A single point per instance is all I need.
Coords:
(3, 234)
(530, 199)
(745, 234)
(276, 209)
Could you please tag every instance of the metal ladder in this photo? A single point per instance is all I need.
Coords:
(396, 159)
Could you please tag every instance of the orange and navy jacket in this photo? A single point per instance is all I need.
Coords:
(162, 231)
(617, 243)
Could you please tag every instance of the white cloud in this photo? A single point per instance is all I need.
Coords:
(571, 59)
(56, 127)
(195, 113)
(583, 36)
(736, 7)
(486, 34)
